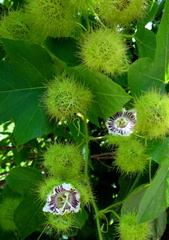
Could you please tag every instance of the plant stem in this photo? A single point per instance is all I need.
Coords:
(97, 220)
(97, 138)
(86, 152)
(110, 207)
(86, 158)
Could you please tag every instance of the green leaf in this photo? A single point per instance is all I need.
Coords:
(22, 87)
(28, 216)
(145, 73)
(146, 43)
(154, 201)
(30, 59)
(158, 150)
(132, 202)
(8, 235)
(109, 97)
(64, 49)
(23, 179)
(81, 218)
(158, 226)
(150, 14)
(162, 51)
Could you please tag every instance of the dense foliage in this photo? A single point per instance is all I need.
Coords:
(84, 114)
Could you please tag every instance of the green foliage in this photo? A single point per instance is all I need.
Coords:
(6, 218)
(65, 68)
(32, 209)
(155, 200)
(22, 179)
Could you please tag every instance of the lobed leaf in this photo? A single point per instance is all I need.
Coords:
(22, 81)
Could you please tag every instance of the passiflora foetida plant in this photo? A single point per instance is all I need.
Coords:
(84, 119)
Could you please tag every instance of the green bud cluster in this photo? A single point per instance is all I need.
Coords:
(130, 157)
(39, 19)
(65, 97)
(14, 26)
(121, 12)
(104, 50)
(61, 224)
(53, 18)
(128, 229)
(152, 115)
(64, 161)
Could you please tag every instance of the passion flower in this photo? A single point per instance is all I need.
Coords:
(122, 123)
(64, 199)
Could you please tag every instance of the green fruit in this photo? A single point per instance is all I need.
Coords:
(61, 224)
(152, 115)
(120, 12)
(14, 26)
(104, 50)
(52, 18)
(65, 97)
(130, 155)
(64, 161)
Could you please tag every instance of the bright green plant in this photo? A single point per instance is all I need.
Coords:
(124, 12)
(84, 119)
(64, 97)
(104, 50)
(129, 229)
(130, 154)
(152, 114)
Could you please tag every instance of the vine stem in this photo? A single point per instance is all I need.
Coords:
(86, 152)
(97, 219)
(105, 210)
(86, 158)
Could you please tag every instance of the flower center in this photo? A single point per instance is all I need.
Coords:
(121, 122)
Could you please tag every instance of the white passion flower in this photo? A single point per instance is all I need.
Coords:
(64, 199)
(121, 123)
